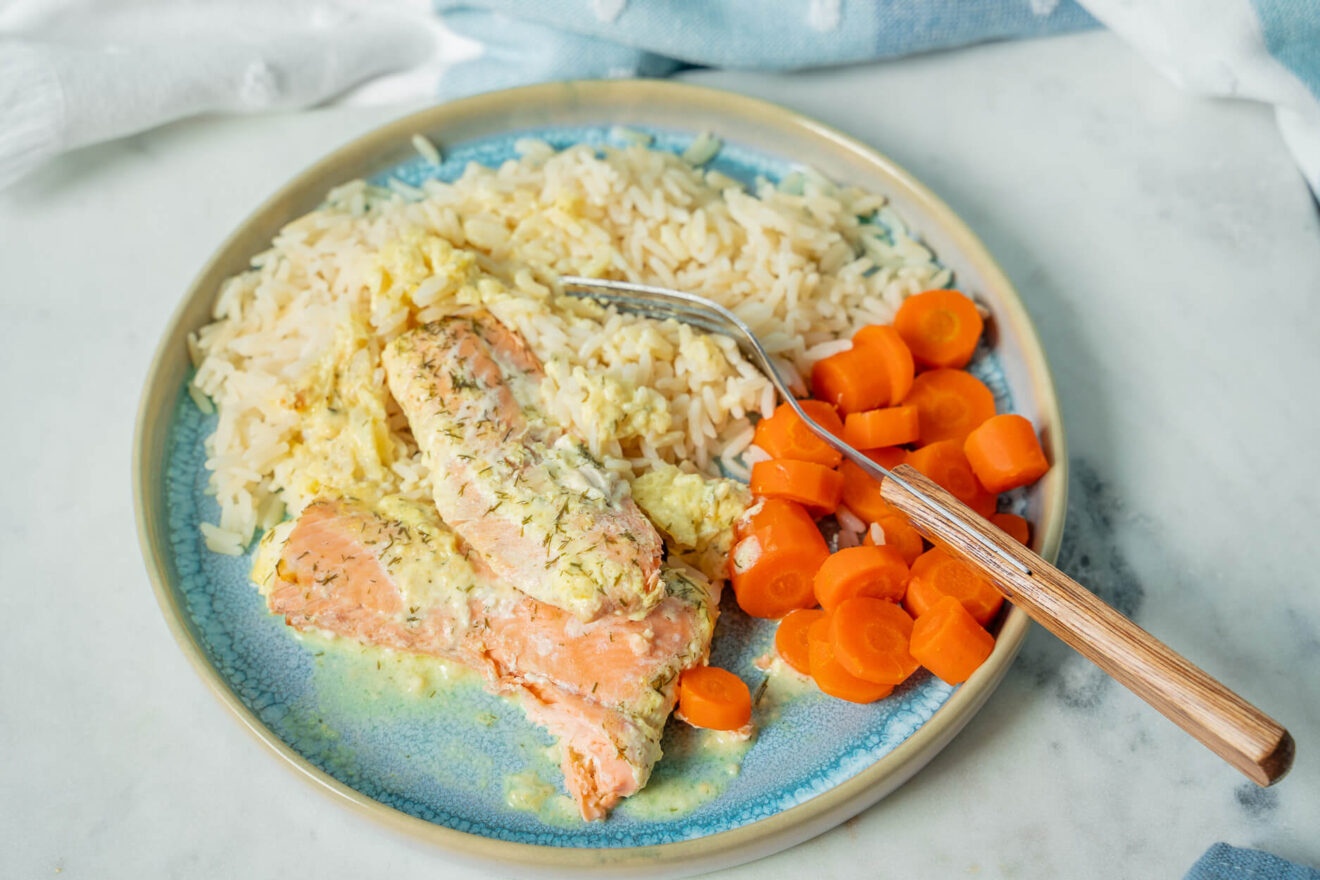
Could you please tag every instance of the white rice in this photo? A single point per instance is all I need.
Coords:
(426, 149)
(306, 325)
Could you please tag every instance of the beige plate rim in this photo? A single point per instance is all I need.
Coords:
(737, 845)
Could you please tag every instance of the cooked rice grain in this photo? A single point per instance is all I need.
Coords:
(292, 360)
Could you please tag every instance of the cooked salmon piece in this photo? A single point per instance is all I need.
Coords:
(525, 495)
(390, 573)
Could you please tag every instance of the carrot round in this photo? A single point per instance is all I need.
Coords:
(810, 484)
(878, 572)
(714, 698)
(936, 574)
(1017, 527)
(791, 638)
(772, 568)
(900, 535)
(831, 676)
(944, 462)
(949, 642)
(785, 435)
(1005, 453)
(888, 350)
(940, 327)
(870, 639)
(773, 512)
(892, 426)
(888, 457)
(850, 381)
(861, 492)
(950, 404)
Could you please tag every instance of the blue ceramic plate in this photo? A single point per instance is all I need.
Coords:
(448, 755)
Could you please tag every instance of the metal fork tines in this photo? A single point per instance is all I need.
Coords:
(662, 303)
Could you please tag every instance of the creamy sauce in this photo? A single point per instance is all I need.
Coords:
(434, 570)
(353, 682)
(697, 767)
(695, 514)
(362, 680)
(357, 677)
(783, 684)
(532, 792)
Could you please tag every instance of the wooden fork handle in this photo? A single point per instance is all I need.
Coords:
(1231, 727)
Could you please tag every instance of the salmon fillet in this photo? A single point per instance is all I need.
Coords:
(526, 496)
(390, 573)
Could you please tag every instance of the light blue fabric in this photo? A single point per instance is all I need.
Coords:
(1292, 34)
(528, 41)
(536, 40)
(1224, 862)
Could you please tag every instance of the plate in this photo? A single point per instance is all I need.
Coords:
(444, 776)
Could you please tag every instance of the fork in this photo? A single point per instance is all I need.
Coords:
(1237, 731)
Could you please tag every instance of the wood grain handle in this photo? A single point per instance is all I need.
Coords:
(1231, 727)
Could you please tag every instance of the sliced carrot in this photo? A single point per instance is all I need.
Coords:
(1005, 453)
(1017, 527)
(813, 485)
(943, 461)
(892, 354)
(772, 568)
(900, 535)
(861, 493)
(940, 327)
(878, 572)
(936, 574)
(892, 426)
(888, 457)
(850, 381)
(870, 639)
(791, 638)
(785, 435)
(773, 512)
(830, 675)
(950, 404)
(714, 698)
(949, 642)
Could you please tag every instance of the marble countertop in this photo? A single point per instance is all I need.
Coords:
(1170, 254)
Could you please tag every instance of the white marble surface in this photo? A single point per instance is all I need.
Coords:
(1171, 256)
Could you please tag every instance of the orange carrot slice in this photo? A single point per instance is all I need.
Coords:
(950, 404)
(714, 698)
(900, 535)
(949, 642)
(889, 457)
(850, 381)
(861, 492)
(892, 426)
(891, 354)
(878, 572)
(943, 461)
(940, 327)
(785, 435)
(936, 574)
(791, 638)
(870, 639)
(1017, 527)
(830, 675)
(810, 484)
(1005, 453)
(768, 512)
(772, 567)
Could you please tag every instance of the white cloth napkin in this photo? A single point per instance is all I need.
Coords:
(74, 72)
(1217, 47)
